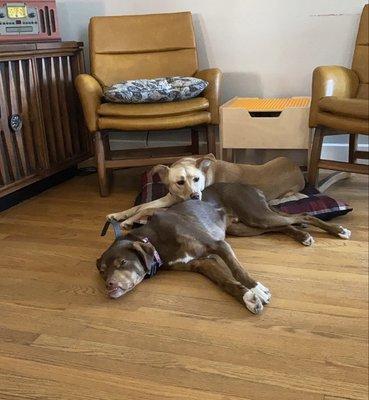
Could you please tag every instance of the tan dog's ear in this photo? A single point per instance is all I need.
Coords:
(145, 252)
(163, 172)
(203, 163)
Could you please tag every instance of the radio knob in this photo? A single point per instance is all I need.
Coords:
(2, 15)
(32, 15)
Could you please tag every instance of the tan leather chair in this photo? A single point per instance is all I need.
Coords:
(340, 105)
(144, 46)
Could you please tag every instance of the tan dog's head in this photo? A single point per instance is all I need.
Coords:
(186, 178)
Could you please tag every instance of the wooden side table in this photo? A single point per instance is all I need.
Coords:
(254, 123)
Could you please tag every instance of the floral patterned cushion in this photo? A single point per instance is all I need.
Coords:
(155, 90)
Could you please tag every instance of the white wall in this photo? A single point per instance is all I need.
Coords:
(264, 47)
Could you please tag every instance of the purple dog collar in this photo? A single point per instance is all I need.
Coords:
(157, 263)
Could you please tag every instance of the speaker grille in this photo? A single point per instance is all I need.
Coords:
(47, 20)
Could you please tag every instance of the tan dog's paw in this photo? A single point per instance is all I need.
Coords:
(116, 217)
(126, 225)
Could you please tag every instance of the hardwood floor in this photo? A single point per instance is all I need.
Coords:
(177, 336)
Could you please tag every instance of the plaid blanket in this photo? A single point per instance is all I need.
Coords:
(310, 200)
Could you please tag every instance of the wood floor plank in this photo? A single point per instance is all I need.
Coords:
(30, 380)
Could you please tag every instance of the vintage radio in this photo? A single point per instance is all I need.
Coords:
(28, 21)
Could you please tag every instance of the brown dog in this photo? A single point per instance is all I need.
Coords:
(189, 233)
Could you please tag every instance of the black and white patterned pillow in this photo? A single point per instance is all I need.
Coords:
(155, 90)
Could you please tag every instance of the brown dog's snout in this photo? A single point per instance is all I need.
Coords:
(111, 284)
(195, 196)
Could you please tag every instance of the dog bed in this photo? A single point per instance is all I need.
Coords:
(309, 200)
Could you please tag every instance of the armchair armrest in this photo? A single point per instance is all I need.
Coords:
(331, 81)
(90, 93)
(214, 77)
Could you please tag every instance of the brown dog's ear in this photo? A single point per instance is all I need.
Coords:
(163, 172)
(204, 162)
(145, 252)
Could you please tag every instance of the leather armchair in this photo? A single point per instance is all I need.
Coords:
(145, 46)
(340, 104)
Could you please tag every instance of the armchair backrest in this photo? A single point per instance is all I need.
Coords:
(142, 46)
(360, 62)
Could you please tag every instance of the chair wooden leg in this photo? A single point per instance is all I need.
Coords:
(228, 155)
(100, 155)
(352, 147)
(195, 148)
(211, 139)
(105, 138)
(315, 154)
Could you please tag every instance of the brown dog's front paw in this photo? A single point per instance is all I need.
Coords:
(252, 302)
(262, 292)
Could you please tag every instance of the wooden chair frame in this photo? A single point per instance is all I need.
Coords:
(316, 162)
(107, 160)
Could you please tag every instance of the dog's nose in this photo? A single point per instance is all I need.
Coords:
(195, 196)
(111, 284)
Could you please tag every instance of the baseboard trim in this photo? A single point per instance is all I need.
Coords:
(36, 188)
(360, 146)
(136, 143)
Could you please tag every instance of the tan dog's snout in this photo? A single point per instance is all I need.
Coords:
(195, 196)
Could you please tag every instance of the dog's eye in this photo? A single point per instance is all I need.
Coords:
(182, 182)
(121, 263)
(196, 179)
(102, 270)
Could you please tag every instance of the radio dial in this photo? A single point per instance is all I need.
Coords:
(2, 15)
(32, 15)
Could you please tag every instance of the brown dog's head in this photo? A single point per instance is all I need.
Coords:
(186, 178)
(124, 265)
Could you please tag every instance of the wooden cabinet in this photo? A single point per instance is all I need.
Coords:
(41, 124)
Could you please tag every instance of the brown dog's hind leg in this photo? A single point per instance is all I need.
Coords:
(301, 236)
(240, 229)
(333, 229)
(243, 230)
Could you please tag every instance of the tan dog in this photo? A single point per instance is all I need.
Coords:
(188, 177)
